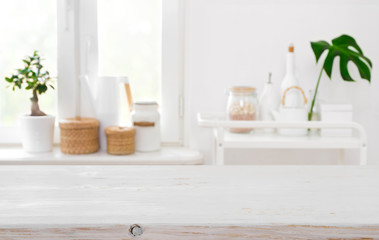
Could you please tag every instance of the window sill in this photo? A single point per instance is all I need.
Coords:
(14, 155)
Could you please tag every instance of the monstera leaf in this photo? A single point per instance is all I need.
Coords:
(347, 49)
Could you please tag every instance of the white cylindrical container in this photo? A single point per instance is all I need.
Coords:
(146, 121)
(37, 133)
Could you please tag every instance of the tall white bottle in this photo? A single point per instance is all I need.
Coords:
(268, 101)
(293, 96)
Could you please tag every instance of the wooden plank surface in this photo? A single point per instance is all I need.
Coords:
(80, 202)
(190, 232)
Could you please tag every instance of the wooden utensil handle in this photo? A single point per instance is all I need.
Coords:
(129, 96)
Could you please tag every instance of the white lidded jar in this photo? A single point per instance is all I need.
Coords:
(242, 106)
(146, 121)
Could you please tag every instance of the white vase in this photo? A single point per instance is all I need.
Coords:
(37, 133)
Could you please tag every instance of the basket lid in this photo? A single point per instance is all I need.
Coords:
(116, 130)
(70, 123)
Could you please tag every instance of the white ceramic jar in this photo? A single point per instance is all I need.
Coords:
(37, 133)
(146, 121)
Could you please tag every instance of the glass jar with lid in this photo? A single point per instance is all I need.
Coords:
(242, 106)
(146, 121)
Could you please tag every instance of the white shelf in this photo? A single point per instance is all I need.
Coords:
(14, 155)
(235, 140)
(225, 139)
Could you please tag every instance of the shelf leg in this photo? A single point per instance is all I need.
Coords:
(220, 155)
(214, 160)
(220, 147)
(341, 156)
(363, 155)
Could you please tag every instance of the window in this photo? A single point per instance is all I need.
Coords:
(25, 26)
(139, 39)
(129, 38)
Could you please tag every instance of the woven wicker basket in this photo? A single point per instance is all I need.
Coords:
(120, 140)
(79, 135)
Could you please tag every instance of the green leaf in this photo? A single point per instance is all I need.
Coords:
(347, 41)
(18, 83)
(23, 71)
(346, 48)
(343, 69)
(26, 62)
(41, 88)
(318, 48)
(328, 63)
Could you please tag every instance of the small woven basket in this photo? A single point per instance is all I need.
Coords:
(120, 140)
(79, 135)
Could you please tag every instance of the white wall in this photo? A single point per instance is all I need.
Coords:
(237, 42)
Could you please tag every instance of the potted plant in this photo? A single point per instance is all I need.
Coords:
(346, 48)
(37, 128)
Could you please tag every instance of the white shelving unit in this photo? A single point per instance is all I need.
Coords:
(225, 139)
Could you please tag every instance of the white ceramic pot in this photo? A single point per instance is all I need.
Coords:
(37, 133)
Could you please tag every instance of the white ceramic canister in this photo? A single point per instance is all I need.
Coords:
(37, 133)
(146, 121)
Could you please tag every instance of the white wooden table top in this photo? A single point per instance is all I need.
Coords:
(341, 196)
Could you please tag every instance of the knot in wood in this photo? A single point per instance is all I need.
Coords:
(135, 230)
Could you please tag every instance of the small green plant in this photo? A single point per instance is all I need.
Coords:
(34, 78)
(347, 49)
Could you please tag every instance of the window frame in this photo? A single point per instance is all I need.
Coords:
(80, 55)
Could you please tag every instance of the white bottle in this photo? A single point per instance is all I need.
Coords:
(268, 101)
(145, 118)
(293, 96)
